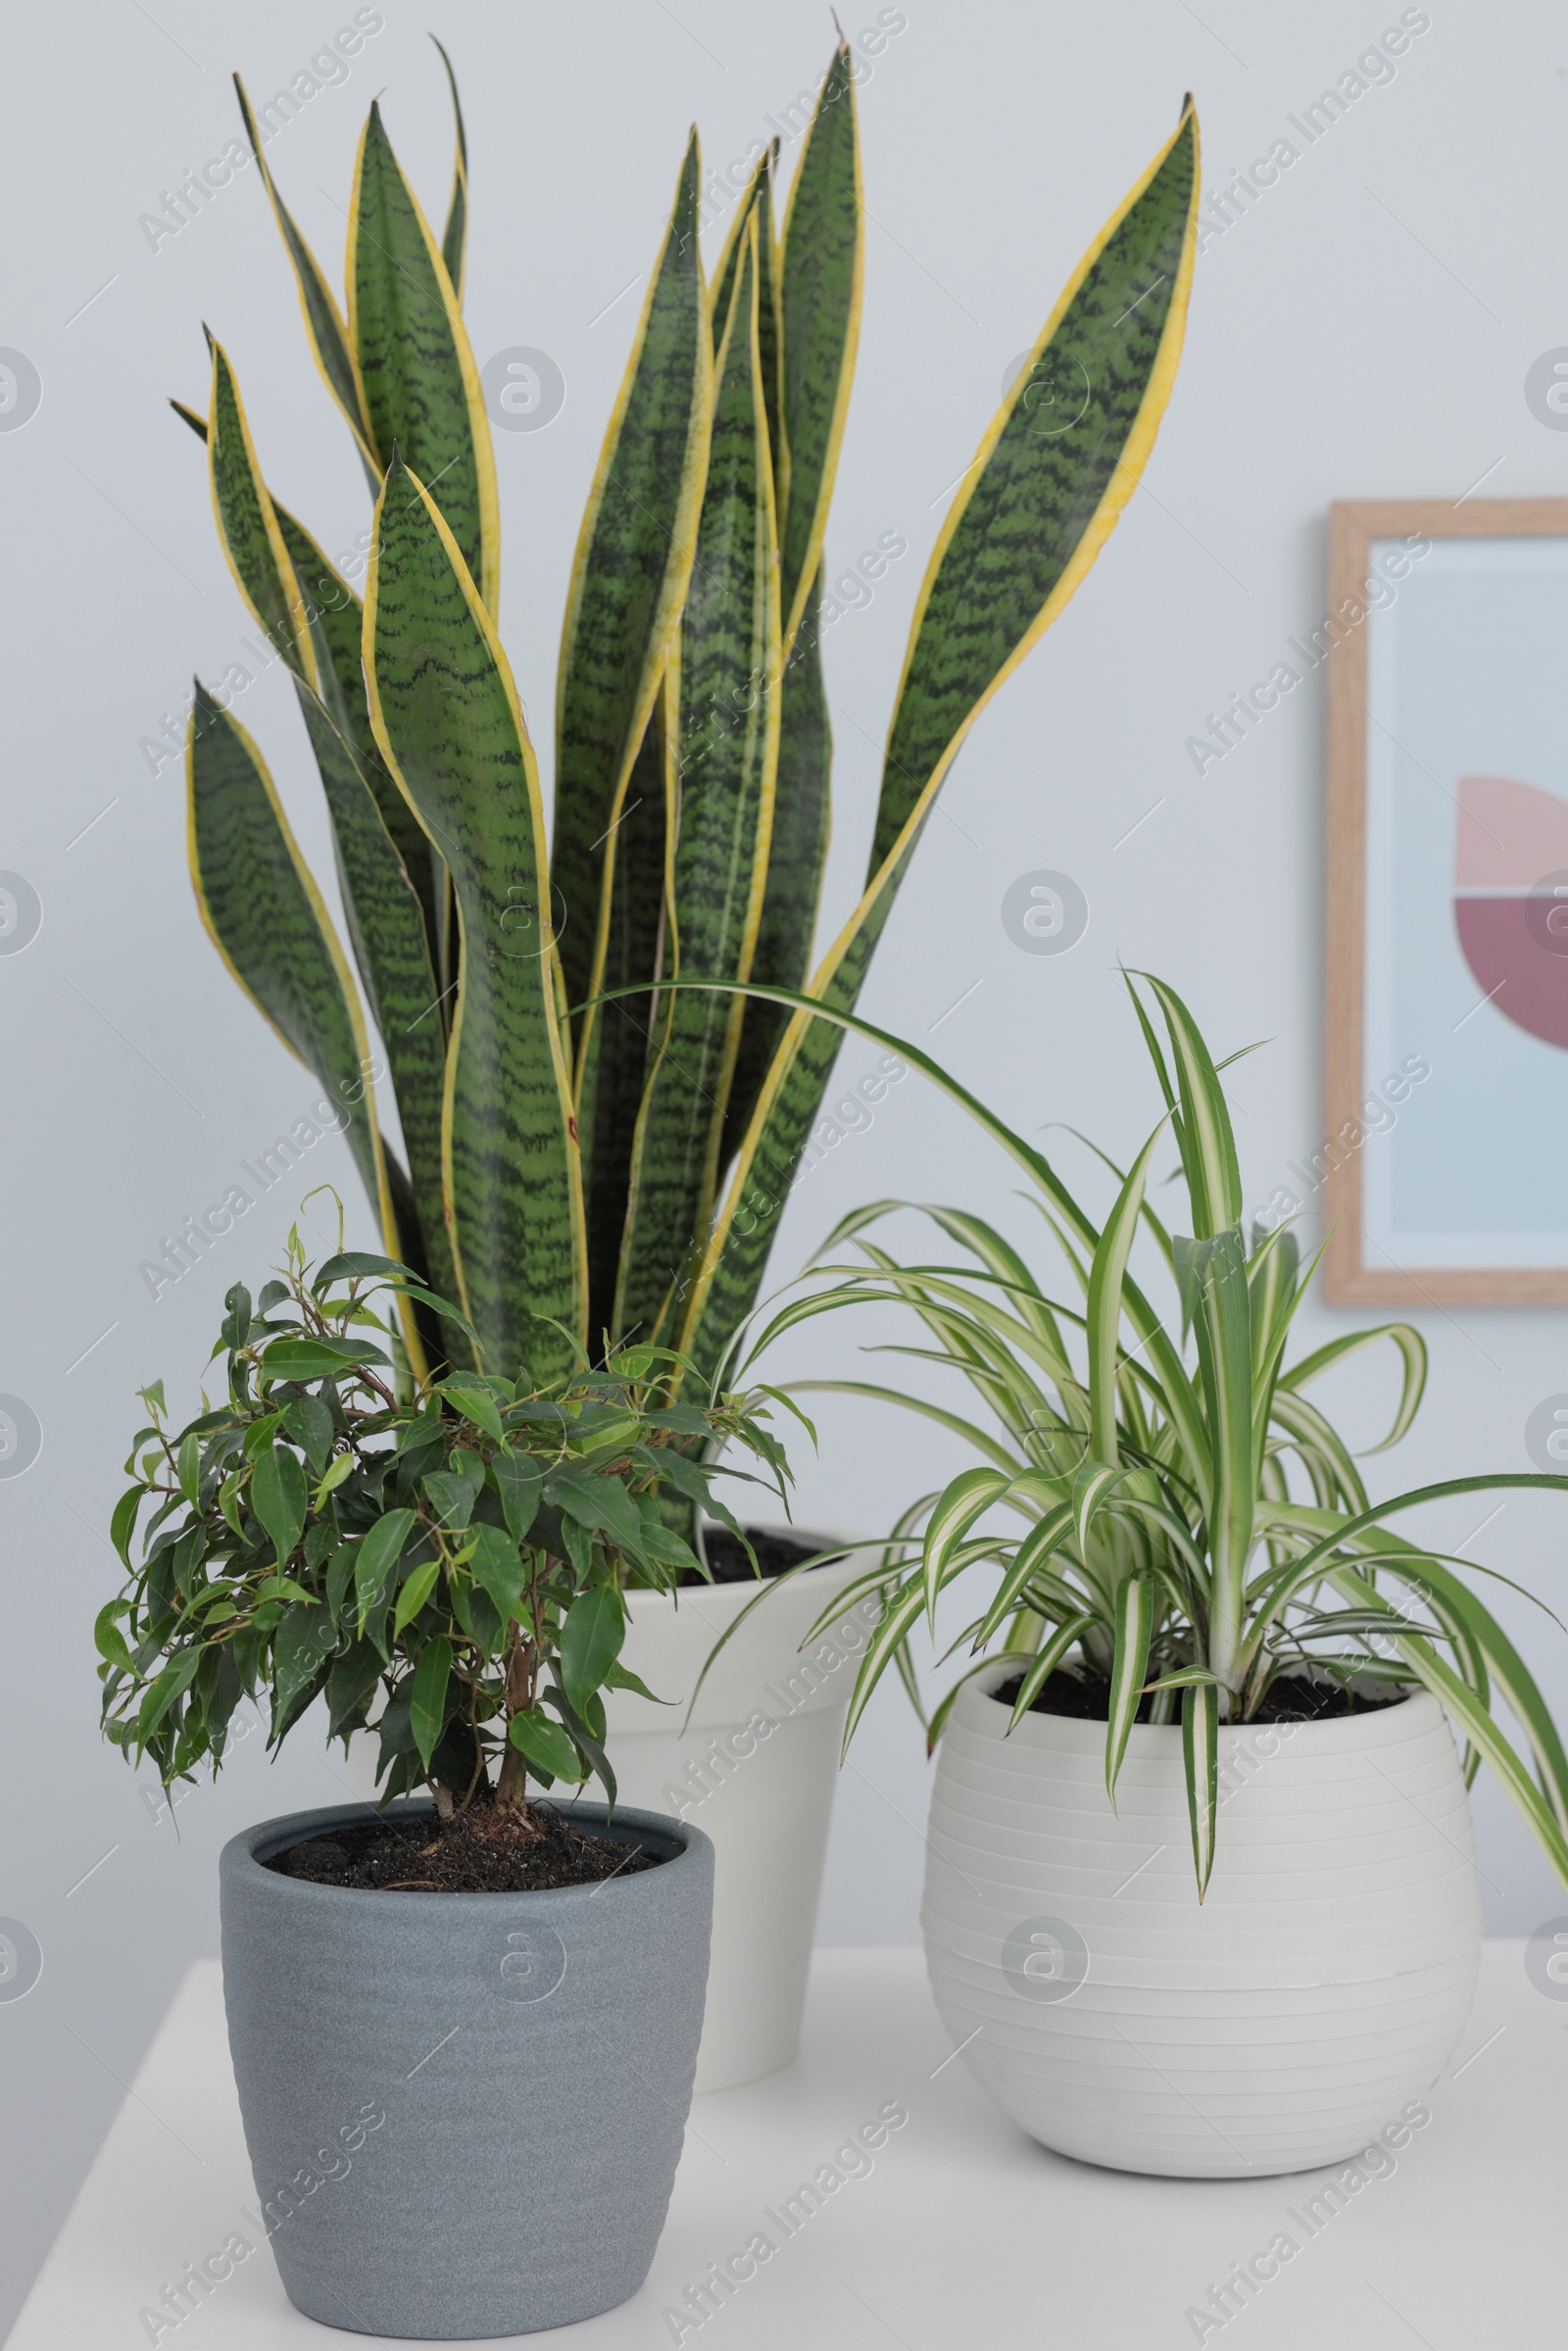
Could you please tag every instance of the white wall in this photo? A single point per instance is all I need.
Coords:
(1364, 333)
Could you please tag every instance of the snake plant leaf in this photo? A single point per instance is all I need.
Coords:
(1134, 1622)
(628, 583)
(454, 238)
(248, 527)
(1201, 1767)
(323, 321)
(729, 661)
(796, 857)
(392, 948)
(447, 717)
(419, 386)
(337, 621)
(622, 1045)
(821, 272)
(1032, 514)
(757, 197)
(264, 915)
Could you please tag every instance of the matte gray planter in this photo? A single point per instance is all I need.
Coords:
(464, 2111)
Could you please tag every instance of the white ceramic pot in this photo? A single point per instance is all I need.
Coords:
(1323, 1983)
(755, 1771)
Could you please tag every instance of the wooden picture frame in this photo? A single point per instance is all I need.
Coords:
(1358, 1270)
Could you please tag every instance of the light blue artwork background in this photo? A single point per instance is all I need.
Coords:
(1467, 674)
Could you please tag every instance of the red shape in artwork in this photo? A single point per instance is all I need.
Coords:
(1525, 980)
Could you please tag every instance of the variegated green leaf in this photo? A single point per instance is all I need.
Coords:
(1043, 1664)
(1222, 1323)
(248, 527)
(1028, 520)
(1105, 1277)
(454, 238)
(1134, 1622)
(796, 857)
(1207, 1142)
(622, 1043)
(730, 663)
(1413, 1353)
(337, 622)
(419, 386)
(628, 583)
(758, 195)
(965, 1498)
(324, 328)
(820, 270)
(264, 915)
(446, 715)
(391, 946)
(1200, 1765)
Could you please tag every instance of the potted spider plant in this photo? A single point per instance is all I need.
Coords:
(1201, 1894)
(578, 1170)
(466, 2019)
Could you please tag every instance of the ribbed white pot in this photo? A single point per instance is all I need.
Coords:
(755, 1770)
(1323, 1982)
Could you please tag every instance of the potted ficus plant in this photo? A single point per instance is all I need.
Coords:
(587, 1157)
(503, 1986)
(1201, 1893)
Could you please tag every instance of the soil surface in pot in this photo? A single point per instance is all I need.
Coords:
(776, 1554)
(1289, 1698)
(479, 1851)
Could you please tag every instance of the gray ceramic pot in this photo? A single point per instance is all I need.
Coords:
(464, 2111)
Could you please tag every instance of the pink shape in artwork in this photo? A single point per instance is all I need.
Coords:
(1508, 834)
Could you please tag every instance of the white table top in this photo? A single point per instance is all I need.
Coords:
(964, 2234)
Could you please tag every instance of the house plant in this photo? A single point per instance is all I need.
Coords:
(512, 1988)
(576, 1169)
(1201, 1889)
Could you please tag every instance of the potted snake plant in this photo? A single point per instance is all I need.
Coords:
(584, 1162)
(510, 1987)
(1200, 1895)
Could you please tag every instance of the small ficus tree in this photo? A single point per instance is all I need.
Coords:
(457, 1551)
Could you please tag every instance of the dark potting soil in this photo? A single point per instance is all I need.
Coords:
(1289, 1698)
(776, 1554)
(479, 1851)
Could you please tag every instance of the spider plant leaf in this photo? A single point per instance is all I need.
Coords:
(628, 584)
(419, 386)
(1091, 1488)
(950, 1697)
(797, 853)
(448, 721)
(820, 270)
(1222, 1324)
(1134, 1622)
(324, 328)
(728, 671)
(264, 915)
(392, 948)
(1029, 518)
(248, 527)
(1105, 1277)
(1207, 1141)
(904, 1610)
(454, 238)
(1200, 1767)
(971, 1431)
(1413, 1352)
(622, 1045)
(1043, 1664)
(1026, 1573)
(963, 1499)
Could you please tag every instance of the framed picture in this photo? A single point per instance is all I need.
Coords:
(1444, 1168)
